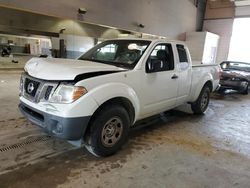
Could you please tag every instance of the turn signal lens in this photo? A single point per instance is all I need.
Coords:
(78, 92)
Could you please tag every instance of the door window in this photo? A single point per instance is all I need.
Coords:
(182, 53)
(161, 59)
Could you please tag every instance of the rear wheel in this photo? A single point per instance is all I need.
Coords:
(108, 131)
(201, 104)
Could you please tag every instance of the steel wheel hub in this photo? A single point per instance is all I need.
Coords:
(112, 132)
(204, 101)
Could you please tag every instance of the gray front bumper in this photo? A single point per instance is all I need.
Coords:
(65, 128)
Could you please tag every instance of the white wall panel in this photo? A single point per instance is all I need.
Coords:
(203, 47)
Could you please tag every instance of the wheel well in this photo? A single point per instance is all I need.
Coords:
(210, 85)
(124, 102)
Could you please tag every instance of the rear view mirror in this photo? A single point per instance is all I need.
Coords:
(154, 65)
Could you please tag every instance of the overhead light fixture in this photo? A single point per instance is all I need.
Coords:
(82, 10)
(141, 25)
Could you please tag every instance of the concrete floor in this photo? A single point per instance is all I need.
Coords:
(6, 62)
(176, 150)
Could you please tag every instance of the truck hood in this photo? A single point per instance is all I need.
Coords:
(65, 69)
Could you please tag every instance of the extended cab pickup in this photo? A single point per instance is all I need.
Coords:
(99, 97)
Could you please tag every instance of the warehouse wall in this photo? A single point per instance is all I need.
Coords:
(242, 11)
(160, 17)
(18, 20)
(219, 18)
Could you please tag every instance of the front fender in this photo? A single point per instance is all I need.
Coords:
(105, 92)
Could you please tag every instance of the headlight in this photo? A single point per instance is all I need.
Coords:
(67, 94)
(236, 79)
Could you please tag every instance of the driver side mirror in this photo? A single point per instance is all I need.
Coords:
(154, 65)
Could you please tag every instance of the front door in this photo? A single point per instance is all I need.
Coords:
(160, 81)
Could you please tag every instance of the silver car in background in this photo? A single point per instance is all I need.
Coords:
(235, 75)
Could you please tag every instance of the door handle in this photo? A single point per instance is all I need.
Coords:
(174, 76)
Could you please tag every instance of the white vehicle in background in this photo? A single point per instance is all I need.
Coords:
(99, 97)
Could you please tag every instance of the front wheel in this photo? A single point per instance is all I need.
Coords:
(108, 131)
(201, 104)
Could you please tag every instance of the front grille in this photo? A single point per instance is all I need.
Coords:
(48, 92)
(37, 90)
(225, 78)
(31, 87)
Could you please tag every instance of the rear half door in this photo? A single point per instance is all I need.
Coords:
(184, 73)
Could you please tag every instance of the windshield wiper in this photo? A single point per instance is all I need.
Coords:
(94, 60)
(117, 64)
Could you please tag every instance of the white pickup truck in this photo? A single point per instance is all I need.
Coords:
(99, 97)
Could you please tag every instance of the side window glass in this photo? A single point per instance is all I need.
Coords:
(182, 53)
(161, 59)
(157, 48)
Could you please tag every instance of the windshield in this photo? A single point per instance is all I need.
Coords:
(121, 53)
(228, 65)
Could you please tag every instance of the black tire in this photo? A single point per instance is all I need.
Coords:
(101, 129)
(201, 104)
(246, 90)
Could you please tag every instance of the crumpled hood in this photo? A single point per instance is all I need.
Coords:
(64, 69)
(236, 74)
